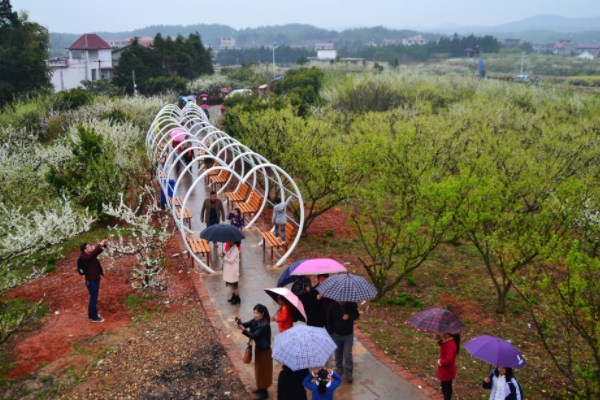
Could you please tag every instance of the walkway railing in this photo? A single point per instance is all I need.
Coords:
(209, 143)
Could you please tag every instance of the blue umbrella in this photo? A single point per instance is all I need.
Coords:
(495, 351)
(223, 233)
(347, 287)
(303, 347)
(286, 277)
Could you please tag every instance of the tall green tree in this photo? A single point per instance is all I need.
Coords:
(23, 53)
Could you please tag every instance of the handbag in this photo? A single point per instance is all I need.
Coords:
(248, 353)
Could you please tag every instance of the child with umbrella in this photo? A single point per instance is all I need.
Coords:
(503, 385)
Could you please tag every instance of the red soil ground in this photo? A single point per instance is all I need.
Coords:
(64, 292)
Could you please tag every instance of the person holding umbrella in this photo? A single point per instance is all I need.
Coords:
(231, 271)
(298, 349)
(503, 385)
(446, 370)
(321, 304)
(345, 291)
(340, 325)
(446, 325)
(259, 330)
(497, 351)
(285, 316)
(289, 384)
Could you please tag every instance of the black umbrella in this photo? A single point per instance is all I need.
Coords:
(222, 233)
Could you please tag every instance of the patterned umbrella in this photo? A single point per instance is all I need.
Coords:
(303, 347)
(347, 287)
(286, 277)
(437, 320)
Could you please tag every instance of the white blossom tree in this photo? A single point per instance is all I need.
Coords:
(143, 234)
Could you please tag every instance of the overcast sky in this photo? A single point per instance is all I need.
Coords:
(80, 16)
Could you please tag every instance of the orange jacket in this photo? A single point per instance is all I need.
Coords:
(284, 318)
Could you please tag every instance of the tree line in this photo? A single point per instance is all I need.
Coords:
(168, 64)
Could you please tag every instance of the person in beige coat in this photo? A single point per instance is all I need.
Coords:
(231, 271)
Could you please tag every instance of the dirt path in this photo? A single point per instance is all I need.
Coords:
(176, 357)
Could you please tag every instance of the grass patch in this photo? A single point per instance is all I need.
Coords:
(79, 348)
(142, 308)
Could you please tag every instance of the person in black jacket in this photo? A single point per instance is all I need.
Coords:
(93, 271)
(289, 384)
(340, 325)
(303, 289)
(503, 381)
(258, 329)
(321, 304)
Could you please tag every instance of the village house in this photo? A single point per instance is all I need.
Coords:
(227, 43)
(512, 42)
(414, 40)
(563, 48)
(89, 59)
(590, 48)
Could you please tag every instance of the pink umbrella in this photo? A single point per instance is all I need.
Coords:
(178, 135)
(319, 266)
(205, 106)
(289, 296)
(224, 90)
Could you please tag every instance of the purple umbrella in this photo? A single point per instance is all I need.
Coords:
(495, 351)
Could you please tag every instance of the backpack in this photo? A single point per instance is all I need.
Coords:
(80, 266)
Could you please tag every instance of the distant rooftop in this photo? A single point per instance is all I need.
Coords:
(90, 41)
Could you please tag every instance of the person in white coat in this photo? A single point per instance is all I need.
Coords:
(503, 385)
(231, 271)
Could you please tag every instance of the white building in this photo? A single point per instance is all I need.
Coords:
(325, 54)
(89, 59)
(414, 40)
(227, 42)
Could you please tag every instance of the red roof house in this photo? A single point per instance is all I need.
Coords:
(90, 41)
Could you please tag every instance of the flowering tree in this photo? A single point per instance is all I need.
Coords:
(24, 235)
(147, 232)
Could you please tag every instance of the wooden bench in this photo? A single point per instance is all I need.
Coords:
(211, 173)
(187, 216)
(274, 242)
(252, 205)
(199, 246)
(220, 179)
(238, 195)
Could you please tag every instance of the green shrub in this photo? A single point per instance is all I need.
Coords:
(50, 268)
(439, 283)
(91, 176)
(418, 304)
(55, 128)
(329, 232)
(72, 99)
(333, 243)
(165, 84)
(410, 280)
(116, 116)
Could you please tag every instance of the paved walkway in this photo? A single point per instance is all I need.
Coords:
(372, 379)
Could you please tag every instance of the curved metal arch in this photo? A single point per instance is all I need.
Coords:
(222, 148)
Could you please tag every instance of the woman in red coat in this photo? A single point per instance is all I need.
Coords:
(285, 317)
(446, 371)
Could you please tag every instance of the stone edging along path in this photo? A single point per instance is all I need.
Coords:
(248, 380)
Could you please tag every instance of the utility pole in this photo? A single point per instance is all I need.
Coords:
(522, 59)
(134, 85)
(99, 69)
(274, 47)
